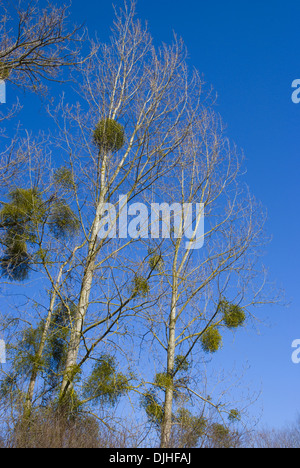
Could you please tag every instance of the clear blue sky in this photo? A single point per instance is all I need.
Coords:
(249, 52)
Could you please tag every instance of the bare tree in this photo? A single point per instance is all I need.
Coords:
(286, 437)
(35, 43)
(203, 290)
(147, 91)
(136, 114)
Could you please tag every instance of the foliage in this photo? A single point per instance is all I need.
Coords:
(26, 353)
(16, 261)
(63, 221)
(234, 415)
(163, 380)
(234, 315)
(153, 409)
(181, 364)
(24, 356)
(211, 340)
(23, 204)
(63, 177)
(19, 219)
(8, 386)
(69, 404)
(56, 347)
(4, 71)
(24, 360)
(221, 437)
(155, 261)
(42, 255)
(191, 428)
(105, 385)
(140, 286)
(109, 135)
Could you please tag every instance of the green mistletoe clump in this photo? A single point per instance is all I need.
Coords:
(211, 340)
(109, 135)
(4, 71)
(140, 286)
(234, 315)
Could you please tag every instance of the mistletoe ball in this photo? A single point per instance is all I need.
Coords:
(109, 135)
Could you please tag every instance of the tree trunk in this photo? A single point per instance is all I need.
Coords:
(77, 327)
(73, 349)
(166, 428)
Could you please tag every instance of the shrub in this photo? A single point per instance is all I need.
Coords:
(189, 428)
